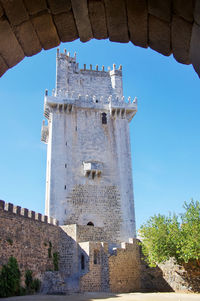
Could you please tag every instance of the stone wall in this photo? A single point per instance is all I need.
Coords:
(33, 241)
(124, 268)
(89, 175)
(95, 275)
(86, 81)
(170, 276)
(85, 233)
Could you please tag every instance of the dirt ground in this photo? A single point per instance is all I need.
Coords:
(111, 297)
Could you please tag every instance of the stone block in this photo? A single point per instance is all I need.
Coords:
(60, 6)
(55, 222)
(10, 207)
(197, 12)
(15, 11)
(159, 35)
(17, 210)
(45, 219)
(160, 9)
(181, 31)
(24, 212)
(195, 48)
(1, 11)
(38, 217)
(67, 30)
(10, 49)
(50, 220)
(28, 39)
(3, 66)
(117, 20)
(184, 9)
(35, 6)
(31, 214)
(46, 31)
(98, 19)
(137, 22)
(81, 15)
(2, 205)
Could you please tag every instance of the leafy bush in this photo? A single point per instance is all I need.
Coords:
(55, 261)
(175, 236)
(10, 279)
(32, 285)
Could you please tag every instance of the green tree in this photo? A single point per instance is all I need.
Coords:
(176, 236)
(10, 279)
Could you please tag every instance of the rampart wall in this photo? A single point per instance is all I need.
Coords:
(124, 268)
(32, 239)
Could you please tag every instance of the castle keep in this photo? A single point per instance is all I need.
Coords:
(89, 175)
(90, 221)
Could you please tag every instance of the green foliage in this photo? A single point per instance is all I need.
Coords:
(10, 279)
(10, 241)
(50, 249)
(28, 279)
(55, 261)
(175, 236)
(32, 285)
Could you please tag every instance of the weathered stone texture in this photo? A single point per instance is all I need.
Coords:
(10, 49)
(160, 9)
(124, 268)
(181, 37)
(195, 48)
(117, 20)
(137, 22)
(159, 35)
(67, 31)
(170, 276)
(81, 15)
(95, 276)
(15, 10)
(100, 205)
(35, 6)
(27, 38)
(60, 6)
(28, 241)
(184, 9)
(46, 30)
(197, 12)
(98, 19)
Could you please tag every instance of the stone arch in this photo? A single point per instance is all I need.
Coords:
(171, 26)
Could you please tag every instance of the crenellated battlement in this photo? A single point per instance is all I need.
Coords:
(87, 80)
(24, 212)
(72, 60)
(72, 97)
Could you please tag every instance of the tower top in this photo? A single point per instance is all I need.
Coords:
(86, 81)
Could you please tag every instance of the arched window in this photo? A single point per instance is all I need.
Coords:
(82, 262)
(104, 118)
(96, 257)
(90, 224)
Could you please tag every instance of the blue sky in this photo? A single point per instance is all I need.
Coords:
(165, 133)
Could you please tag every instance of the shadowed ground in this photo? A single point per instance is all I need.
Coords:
(111, 297)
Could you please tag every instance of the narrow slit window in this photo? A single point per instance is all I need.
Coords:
(104, 118)
(82, 262)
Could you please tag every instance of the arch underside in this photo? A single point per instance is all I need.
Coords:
(170, 26)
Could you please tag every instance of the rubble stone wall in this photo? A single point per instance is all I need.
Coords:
(124, 268)
(32, 242)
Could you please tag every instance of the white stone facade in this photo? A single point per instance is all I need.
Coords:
(89, 176)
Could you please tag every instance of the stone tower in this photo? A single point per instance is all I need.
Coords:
(89, 175)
